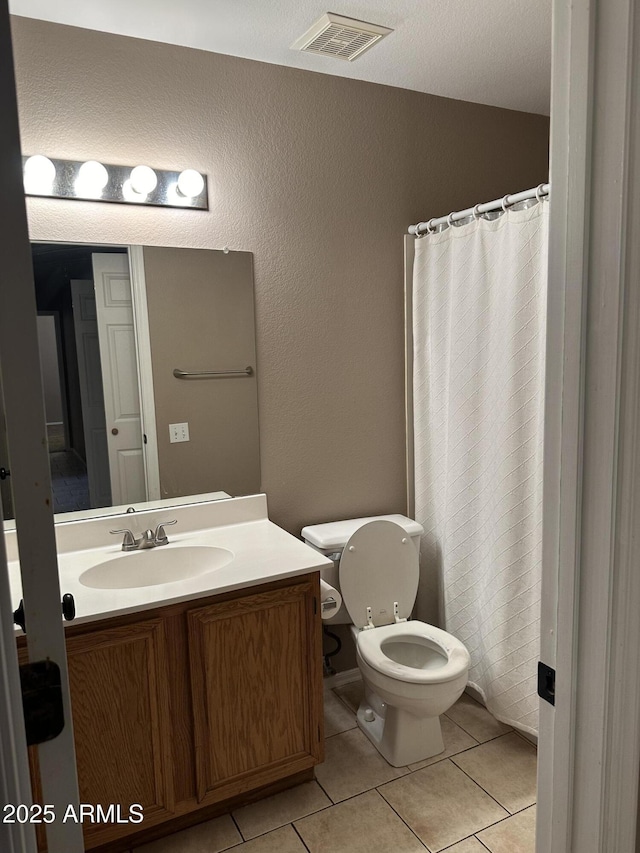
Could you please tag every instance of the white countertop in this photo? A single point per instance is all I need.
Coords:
(262, 552)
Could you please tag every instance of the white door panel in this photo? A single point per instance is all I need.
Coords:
(131, 471)
(116, 333)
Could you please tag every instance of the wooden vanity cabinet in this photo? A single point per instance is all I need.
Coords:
(196, 704)
(252, 723)
(122, 723)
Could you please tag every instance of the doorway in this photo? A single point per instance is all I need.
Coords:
(88, 359)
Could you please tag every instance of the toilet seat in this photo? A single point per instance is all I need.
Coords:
(453, 654)
(379, 573)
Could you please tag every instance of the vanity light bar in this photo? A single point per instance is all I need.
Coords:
(93, 181)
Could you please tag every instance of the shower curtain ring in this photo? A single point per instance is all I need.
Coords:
(431, 228)
(476, 211)
(505, 203)
(539, 195)
(450, 220)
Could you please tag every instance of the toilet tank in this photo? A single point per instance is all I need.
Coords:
(330, 539)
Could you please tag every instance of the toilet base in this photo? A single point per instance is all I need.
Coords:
(400, 737)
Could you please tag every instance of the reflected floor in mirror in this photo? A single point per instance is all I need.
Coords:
(478, 795)
(69, 482)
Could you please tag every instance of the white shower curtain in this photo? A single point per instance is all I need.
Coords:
(479, 301)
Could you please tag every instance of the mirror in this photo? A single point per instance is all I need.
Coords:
(149, 376)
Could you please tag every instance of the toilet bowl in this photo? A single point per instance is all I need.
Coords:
(412, 672)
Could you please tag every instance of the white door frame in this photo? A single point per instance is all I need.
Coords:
(31, 482)
(590, 745)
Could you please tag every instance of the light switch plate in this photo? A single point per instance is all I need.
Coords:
(178, 432)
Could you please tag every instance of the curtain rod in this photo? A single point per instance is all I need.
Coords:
(427, 227)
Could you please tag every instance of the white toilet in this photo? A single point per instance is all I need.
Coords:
(412, 672)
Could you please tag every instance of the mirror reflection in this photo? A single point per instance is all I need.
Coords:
(149, 374)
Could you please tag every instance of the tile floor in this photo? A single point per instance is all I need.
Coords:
(477, 796)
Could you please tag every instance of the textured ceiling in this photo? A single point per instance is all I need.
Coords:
(489, 51)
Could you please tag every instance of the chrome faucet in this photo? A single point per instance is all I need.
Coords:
(148, 539)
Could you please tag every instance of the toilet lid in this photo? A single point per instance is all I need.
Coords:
(379, 566)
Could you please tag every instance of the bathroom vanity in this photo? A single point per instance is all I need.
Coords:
(189, 698)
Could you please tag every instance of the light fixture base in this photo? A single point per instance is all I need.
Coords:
(118, 188)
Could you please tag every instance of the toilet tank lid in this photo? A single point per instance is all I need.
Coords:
(335, 534)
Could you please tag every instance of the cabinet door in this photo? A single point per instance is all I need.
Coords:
(257, 689)
(121, 723)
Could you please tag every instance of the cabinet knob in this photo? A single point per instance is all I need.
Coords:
(68, 611)
(114, 431)
(68, 607)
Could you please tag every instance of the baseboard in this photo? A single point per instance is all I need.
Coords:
(341, 678)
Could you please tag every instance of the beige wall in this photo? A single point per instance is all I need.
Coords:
(318, 177)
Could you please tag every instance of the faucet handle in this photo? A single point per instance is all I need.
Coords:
(129, 541)
(160, 536)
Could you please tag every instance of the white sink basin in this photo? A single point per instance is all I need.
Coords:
(156, 566)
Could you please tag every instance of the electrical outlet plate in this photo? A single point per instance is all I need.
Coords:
(178, 432)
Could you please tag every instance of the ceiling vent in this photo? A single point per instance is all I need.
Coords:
(343, 38)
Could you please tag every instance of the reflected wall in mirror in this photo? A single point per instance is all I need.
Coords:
(114, 323)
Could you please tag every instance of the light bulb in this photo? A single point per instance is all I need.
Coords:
(129, 194)
(92, 179)
(190, 183)
(143, 180)
(175, 197)
(39, 174)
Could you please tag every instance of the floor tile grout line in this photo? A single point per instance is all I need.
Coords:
(455, 723)
(335, 734)
(410, 772)
(433, 763)
(365, 791)
(504, 734)
(300, 817)
(509, 814)
(479, 742)
(482, 843)
(462, 840)
(413, 832)
(295, 829)
(504, 819)
(447, 758)
(342, 702)
(477, 783)
(353, 796)
(444, 758)
(415, 770)
(324, 791)
(237, 826)
(525, 809)
(333, 804)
